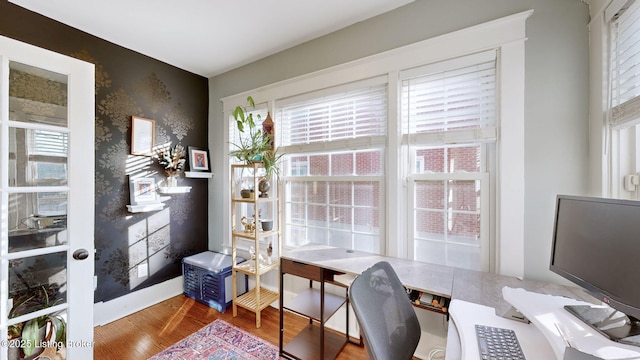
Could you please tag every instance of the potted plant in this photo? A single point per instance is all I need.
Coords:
(270, 162)
(249, 148)
(32, 334)
(256, 146)
(172, 160)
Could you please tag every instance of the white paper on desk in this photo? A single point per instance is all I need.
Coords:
(545, 311)
(466, 315)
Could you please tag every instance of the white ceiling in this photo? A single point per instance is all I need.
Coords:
(209, 37)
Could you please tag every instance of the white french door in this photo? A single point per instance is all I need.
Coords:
(47, 198)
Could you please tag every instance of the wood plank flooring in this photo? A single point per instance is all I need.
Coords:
(149, 331)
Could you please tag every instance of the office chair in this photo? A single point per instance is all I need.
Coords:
(388, 322)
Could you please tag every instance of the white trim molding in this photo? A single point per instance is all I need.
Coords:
(106, 312)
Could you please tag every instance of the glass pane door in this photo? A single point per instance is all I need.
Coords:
(45, 262)
(37, 218)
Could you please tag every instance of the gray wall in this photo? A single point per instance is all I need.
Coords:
(556, 118)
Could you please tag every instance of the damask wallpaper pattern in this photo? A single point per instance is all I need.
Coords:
(133, 251)
(37, 88)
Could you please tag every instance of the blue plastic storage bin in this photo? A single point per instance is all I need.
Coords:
(207, 279)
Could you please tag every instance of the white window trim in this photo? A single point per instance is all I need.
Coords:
(507, 36)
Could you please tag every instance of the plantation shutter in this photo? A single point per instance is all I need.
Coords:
(625, 62)
(451, 101)
(352, 116)
(49, 143)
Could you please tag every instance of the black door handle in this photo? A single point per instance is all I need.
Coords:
(80, 254)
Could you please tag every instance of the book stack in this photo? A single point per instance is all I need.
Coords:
(434, 301)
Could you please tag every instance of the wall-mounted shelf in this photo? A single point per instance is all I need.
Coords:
(145, 208)
(198, 174)
(174, 189)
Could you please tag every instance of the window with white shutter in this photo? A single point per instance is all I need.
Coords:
(624, 102)
(334, 177)
(449, 128)
(398, 153)
(625, 62)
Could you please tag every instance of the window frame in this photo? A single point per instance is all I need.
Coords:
(481, 131)
(373, 89)
(613, 138)
(507, 36)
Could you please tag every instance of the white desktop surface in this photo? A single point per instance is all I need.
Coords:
(466, 315)
(453, 349)
(545, 311)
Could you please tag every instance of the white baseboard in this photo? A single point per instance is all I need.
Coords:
(106, 312)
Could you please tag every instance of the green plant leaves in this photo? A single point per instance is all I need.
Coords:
(238, 114)
(257, 146)
(60, 326)
(30, 336)
(243, 116)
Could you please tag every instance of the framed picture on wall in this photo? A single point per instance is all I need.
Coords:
(142, 191)
(142, 136)
(199, 159)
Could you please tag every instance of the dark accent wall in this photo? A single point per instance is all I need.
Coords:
(131, 84)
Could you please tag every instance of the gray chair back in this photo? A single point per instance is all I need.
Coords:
(388, 322)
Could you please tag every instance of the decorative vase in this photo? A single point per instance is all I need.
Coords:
(246, 193)
(269, 253)
(172, 181)
(248, 224)
(256, 158)
(264, 185)
(267, 224)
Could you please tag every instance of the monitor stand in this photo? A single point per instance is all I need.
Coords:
(613, 324)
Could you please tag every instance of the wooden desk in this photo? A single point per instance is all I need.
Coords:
(449, 282)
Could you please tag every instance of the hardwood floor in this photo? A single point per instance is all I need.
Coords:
(149, 331)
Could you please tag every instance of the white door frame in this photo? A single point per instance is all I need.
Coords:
(81, 164)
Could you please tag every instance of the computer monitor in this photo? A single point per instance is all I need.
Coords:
(596, 245)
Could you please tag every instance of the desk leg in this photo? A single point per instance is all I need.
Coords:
(359, 342)
(281, 309)
(310, 286)
(346, 293)
(322, 315)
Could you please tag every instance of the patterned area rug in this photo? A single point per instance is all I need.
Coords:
(220, 340)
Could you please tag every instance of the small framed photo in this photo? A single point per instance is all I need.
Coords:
(142, 136)
(199, 159)
(142, 191)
